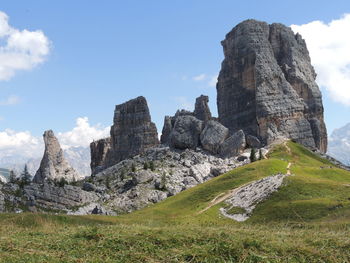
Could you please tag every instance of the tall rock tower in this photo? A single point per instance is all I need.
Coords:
(132, 133)
(53, 165)
(267, 86)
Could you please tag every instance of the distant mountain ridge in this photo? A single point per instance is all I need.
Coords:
(78, 157)
(339, 144)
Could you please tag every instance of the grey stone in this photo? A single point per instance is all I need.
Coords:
(234, 145)
(213, 135)
(267, 88)
(252, 141)
(186, 132)
(201, 109)
(101, 152)
(53, 165)
(132, 133)
(167, 128)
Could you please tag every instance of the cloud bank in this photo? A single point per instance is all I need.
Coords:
(329, 47)
(25, 144)
(83, 134)
(22, 49)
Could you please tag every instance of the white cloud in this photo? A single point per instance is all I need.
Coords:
(24, 144)
(11, 100)
(22, 49)
(19, 143)
(83, 134)
(184, 103)
(329, 47)
(199, 77)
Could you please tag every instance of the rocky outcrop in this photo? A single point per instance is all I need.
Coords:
(252, 141)
(158, 173)
(53, 198)
(201, 109)
(186, 132)
(233, 145)
(132, 133)
(267, 88)
(100, 153)
(189, 130)
(53, 165)
(213, 135)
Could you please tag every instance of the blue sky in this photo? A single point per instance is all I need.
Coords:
(103, 53)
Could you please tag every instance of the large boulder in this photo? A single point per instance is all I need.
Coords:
(186, 132)
(267, 88)
(213, 135)
(233, 145)
(252, 141)
(53, 165)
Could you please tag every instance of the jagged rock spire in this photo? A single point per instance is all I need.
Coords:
(53, 165)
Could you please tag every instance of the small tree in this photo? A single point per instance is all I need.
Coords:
(152, 166)
(145, 165)
(62, 182)
(13, 177)
(26, 177)
(133, 167)
(260, 155)
(252, 155)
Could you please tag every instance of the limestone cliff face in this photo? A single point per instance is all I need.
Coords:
(100, 152)
(53, 165)
(132, 133)
(267, 88)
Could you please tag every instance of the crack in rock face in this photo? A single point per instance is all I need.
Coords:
(249, 196)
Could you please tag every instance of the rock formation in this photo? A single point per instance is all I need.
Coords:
(189, 130)
(100, 153)
(201, 109)
(213, 135)
(53, 165)
(186, 132)
(233, 145)
(132, 133)
(267, 88)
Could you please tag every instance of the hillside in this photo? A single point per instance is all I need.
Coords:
(307, 220)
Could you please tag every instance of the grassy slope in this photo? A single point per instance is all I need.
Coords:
(306, 221)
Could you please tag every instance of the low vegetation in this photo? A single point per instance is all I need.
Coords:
(307, 220)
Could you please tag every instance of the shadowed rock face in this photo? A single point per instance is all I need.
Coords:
(53, 165)
(100, 152)
(267, 88)
(132, 133)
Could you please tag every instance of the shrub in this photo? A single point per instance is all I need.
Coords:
(133, 167)
(252, 156)
(152, 166)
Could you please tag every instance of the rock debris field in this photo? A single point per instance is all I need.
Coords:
(248, 196)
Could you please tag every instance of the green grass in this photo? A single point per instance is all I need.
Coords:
(307, 220)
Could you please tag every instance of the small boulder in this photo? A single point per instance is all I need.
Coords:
(213, 135)
(233, 145)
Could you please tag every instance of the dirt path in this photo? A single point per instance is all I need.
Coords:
(220, 198)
